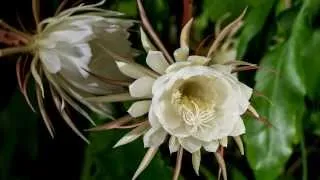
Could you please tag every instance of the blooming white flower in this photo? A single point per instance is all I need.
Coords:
(194, 101)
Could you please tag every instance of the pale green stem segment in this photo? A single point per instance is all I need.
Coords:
(14, 50)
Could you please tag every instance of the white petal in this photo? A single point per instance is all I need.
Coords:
(223, 68)
(132, 135)
(190, 144)
(153, 119)
(146, 43)
(71, 36)
(50, 60)
(139, 108)
(154, 137)
(196, 159)
(173, 144)
(212, 146)
(142, 87)
(159, 84)
(177, 66)
(238, 129)
(130, 70)
(181, 54)
(239, 143)
(200, 60)
(243, 99)
(157, 61)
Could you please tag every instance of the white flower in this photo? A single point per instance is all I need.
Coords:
(194, 102)
(198, 105)
(72, 50)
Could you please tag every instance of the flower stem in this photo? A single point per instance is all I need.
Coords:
(14, 50)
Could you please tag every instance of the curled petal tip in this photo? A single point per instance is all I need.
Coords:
(185, 33)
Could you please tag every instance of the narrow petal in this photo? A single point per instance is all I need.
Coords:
(145, 161)
(254, 111)
(157, 61)
(50, 61)
(142, 87)
(154, 137)
(130, 70)
(185, 34)
(190, 144)
(181, 54)
(132, 135)
(173, 144)
(146, 43)
(139, 108)
(212, 146)
(196, 159)
(239, 143)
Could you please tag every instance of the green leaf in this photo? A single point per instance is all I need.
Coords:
(18, 132)
(296, 64)
(268, 149)
(104, 162)
(253, 24)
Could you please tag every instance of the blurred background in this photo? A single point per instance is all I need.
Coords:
(282, 36)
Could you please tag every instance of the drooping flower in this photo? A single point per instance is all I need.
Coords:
(70, 50)
(194, 102)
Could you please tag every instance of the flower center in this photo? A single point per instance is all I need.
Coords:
(194, 101)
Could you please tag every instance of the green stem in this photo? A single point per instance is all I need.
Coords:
(304, 157)
(14, 50)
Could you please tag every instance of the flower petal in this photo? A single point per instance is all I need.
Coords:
(130, 70)
(50, 60)
(200, 60)
(157, 61)
(132, 135)
(238, 129)
(154, 137)
(142, 87)
(196, 159)
(190, 144)
(181, 54)
(177, 66)
(146, 43)
(212, 146)
(153, 119)
(139, 108)
(173, 144)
